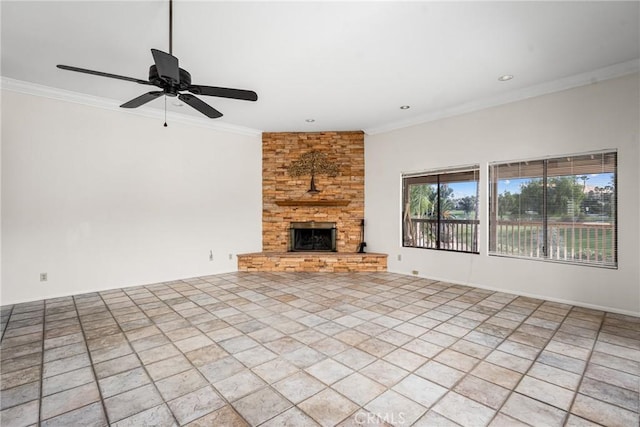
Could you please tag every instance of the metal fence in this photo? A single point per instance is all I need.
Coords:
(447, 234)
(567, 241)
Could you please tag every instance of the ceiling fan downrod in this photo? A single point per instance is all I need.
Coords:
(170, 52)
(171, 27)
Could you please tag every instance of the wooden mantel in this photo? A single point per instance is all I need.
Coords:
(308, 202)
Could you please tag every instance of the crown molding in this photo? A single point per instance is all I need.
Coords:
(583, 79)
(110, 104)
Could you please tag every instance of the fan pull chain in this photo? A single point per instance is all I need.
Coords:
(165, 111)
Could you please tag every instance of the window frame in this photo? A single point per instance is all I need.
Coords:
(493, 199)
(438, 177)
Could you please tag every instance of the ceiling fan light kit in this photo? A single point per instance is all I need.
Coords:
(167, 75)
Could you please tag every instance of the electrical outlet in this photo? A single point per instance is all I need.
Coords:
(399, 257)
(210, 255)
(414, 272)
(230, 256)
(43, 277)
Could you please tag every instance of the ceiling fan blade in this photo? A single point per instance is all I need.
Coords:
(167, 66)
(223, 92)
(101, 74)
(142, 99)
(200, 105)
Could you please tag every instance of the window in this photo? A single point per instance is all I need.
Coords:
(557, 209)
(440, 210)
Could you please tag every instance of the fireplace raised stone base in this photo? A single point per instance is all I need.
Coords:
(312, 262)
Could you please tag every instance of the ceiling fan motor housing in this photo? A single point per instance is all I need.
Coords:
(170, 88)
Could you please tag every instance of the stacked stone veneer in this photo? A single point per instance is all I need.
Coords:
(316, 262)
(285, 199)
(279, 150)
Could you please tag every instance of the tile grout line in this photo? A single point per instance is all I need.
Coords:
(93, 370)
(266, 385)
(182, 282)
(133, 351)
(586, 366)
(44, 329)
(441, 322)
(452, 387)
(329, 357)
(412, 372)
(298, 369)
(458, 339)
(524, 374)
(6, 325)
(303, 370)
(495, 348)
(228, 402)
(173, 343)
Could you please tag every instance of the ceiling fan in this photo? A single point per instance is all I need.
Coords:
(172, 80)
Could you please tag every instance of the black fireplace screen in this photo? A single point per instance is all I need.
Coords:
(312, 236)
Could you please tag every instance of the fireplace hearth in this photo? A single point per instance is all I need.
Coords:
(312, 236)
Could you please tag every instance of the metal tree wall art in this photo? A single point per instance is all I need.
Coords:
(313, 163)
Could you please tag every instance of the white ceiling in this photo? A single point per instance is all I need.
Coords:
(348, 65)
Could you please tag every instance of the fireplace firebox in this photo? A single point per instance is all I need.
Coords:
(312, 236)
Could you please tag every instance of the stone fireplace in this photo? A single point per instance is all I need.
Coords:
(286, 201)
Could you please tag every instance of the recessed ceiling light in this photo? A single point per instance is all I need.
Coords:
(405, 107)
(505, 78)
(310, 120)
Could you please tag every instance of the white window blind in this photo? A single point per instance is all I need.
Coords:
(557, 209)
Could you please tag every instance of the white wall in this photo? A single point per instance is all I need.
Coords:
(101, 199)
(599, 116)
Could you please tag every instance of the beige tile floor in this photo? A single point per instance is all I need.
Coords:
(307, 349)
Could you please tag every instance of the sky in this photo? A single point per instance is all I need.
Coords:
(464, 189)
(513, 185)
